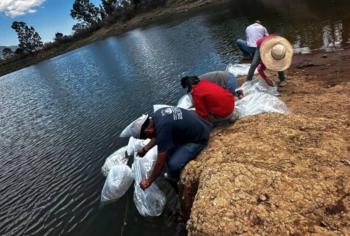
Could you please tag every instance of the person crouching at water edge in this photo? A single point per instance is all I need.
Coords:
(274, 53)
(212, 102)
(253, 33)
(180, 135)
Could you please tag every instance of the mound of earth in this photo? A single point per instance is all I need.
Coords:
(274, 174)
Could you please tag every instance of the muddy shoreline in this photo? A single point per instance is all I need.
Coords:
(272, 174)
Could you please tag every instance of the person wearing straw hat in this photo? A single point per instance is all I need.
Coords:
(274, 53)
(179, 135)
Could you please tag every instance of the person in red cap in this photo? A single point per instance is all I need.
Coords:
(212, 102)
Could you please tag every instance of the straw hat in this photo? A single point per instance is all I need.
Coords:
(276, 53)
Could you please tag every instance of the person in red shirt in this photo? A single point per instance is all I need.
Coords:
(274, 53)
(212, 102)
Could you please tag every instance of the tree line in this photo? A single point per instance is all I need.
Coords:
(89, 19)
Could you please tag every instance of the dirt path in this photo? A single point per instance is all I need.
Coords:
(319, 85)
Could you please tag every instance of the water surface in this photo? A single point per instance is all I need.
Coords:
(61, 118)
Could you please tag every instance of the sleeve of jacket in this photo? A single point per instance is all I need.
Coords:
(201, 109)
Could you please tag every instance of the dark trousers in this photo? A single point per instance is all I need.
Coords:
(180, 156)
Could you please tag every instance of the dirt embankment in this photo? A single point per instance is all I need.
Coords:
(273, 174)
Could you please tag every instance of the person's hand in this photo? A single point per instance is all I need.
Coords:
(144, 184)
(239, 93)
(142, 152)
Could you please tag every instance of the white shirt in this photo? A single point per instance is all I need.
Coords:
(254, 32)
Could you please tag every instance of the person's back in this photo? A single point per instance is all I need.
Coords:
(176, 126)
(254, 32)
(210, 98)
(218, 77)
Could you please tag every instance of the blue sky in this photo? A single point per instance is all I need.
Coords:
(46, 16)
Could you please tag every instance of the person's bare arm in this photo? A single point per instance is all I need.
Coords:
(157, 170)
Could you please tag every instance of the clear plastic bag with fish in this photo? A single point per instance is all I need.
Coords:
(118, 181)
(151, 201)
(135, 145)
(239, 69)
(116, 158)
(185, 102)
(258, 85)
(259, 102)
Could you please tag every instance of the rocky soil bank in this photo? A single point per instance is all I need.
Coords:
(274, 174)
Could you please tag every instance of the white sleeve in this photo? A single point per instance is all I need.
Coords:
(266, 33)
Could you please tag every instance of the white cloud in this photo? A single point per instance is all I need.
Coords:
(19, 7)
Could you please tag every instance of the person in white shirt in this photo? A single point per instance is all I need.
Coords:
(253, 32)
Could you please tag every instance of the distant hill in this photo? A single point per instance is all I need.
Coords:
(13, 48)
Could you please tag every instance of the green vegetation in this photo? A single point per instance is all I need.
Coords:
(7, 52)
(90, 18)
(111, 17)
(29, 39)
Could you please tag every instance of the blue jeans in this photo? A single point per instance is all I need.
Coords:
(242, 45)
(232, 84)
(180, 156)
(255, 62)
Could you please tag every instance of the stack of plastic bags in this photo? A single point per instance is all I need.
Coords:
(149, 202)
(259, 98)
(119, 176)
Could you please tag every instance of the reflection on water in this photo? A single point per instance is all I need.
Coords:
(60, 119)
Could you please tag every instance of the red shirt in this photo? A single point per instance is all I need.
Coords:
(260, 41)
(209, 97)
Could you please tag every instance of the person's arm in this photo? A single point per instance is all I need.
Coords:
(157, 170)
(146, 148)
(261, 70)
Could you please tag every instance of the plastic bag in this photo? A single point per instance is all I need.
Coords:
(258, 85)
(128, 131)
(259, 102)
(156, 107)
(118, 181)
(135, 145)
(116, 158)
(239, 69)
(149, 202)
(185, 102)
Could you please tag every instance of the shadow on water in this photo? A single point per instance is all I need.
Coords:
(61, 118)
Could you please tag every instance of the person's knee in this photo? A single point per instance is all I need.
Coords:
(240, 42)
(174, 165)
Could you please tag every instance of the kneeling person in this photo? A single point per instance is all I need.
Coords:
(222, 78)
(211, 101)
(180, 135)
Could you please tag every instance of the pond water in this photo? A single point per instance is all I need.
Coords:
(61, 118)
